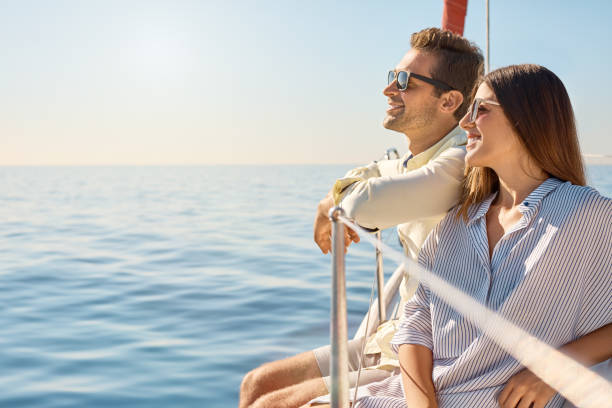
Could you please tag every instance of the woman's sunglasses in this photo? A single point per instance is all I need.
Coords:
(403, 77)
(473, 112)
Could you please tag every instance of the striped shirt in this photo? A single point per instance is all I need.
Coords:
(550, 274)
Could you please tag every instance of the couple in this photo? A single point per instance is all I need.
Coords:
(523, 236)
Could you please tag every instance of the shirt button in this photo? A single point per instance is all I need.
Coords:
(526, 203)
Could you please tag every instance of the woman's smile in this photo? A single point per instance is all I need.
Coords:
(472, 138)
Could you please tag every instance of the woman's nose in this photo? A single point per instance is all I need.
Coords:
(465, 123)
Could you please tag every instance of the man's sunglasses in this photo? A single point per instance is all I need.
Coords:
(403, 77)
(473, 112)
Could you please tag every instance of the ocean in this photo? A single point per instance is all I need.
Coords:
(163, 286)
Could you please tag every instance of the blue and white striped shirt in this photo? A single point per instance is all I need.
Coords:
(550, 274)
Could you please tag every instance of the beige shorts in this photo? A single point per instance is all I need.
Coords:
(323, 356)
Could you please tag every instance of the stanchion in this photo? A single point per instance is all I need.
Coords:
(339, 349)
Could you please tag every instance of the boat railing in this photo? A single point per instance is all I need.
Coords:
(339, 391)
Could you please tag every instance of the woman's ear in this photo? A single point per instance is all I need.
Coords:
(451, 101)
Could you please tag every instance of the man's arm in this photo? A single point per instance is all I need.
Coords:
(322, 224)
(388, 200)
(378, 196)
(528, 388)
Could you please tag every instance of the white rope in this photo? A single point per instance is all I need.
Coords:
(575, 382)
(364, 339)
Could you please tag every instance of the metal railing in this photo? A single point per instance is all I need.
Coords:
(338, 326)
(339, 338)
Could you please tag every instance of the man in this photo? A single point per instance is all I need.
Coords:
(428, 92)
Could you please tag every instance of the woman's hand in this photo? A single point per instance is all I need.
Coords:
(525, 389)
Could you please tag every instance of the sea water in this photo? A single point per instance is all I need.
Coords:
(163, 286)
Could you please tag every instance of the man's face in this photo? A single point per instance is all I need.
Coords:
(415, 107)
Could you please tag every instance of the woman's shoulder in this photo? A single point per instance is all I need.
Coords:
(583, 204)
(582, 196)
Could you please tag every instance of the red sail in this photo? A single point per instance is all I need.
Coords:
(453, 16)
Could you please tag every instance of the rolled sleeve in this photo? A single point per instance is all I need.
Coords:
(386, 201)
(360, 174)
(415, 327)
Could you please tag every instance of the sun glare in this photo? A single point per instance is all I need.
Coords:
(155, 54)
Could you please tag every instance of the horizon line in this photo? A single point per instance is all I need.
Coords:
(589, 159)
(593, 161)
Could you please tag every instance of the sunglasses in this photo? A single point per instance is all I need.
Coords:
(403, 77)
(473, 111)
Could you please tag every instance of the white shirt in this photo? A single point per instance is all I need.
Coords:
(413, 193)
(413, 197)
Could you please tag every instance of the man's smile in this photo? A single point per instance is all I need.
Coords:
(394, 106)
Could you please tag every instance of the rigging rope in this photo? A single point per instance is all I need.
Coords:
(575, 382)
(364, 339)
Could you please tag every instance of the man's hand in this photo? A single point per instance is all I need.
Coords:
(525, 389)
(323, 227)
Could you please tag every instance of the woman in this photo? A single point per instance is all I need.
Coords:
(528, 240)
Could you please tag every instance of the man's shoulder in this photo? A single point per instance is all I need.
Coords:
(451, 152)
(450, 160)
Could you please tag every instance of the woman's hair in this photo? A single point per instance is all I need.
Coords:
(539, 110)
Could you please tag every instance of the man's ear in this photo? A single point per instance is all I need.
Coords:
(450, 101)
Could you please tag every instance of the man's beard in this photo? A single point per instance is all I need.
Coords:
(410, 120)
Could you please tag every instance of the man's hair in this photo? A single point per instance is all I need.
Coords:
(459, 62)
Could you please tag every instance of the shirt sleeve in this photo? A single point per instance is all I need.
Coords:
(595, 311)
(415, 327)
(382, 201)
(359, 174)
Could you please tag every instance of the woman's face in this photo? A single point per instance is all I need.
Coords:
(492, 141)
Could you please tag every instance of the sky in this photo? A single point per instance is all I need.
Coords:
(180, 82)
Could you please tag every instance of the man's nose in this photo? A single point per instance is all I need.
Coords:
(391, 89)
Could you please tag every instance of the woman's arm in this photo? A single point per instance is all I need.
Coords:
(416, 363)
(592, 348)
(413, 341)
(527, 388)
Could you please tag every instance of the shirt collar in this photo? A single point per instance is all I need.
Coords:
(478, 210)
(456, 137)
(534, 199)
(528, 207)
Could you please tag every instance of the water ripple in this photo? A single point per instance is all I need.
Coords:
(161, 286)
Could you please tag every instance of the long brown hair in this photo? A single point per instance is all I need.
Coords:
(537, 105)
